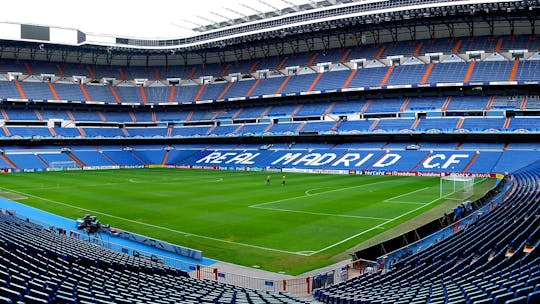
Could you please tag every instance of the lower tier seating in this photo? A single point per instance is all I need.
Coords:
(494, 260)
(39, 266)
(429, 158)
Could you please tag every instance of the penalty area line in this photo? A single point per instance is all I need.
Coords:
(382, 224)
(391, 200)
(187, 234)
(373, 228)
(308, 194)
(322, 213)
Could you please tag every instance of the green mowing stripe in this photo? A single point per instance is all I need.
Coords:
(234, 216)
(150, 225)
(375, 227)
(323, 214)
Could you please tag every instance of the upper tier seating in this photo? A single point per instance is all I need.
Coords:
(366, 77)
(406, 48)
(373, 75)
(363, 78)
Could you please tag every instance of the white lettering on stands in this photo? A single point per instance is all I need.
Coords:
(430, 163)
(307, 159)
(210, 157)
(427, 163)
(215, 157)
(223, 157)
(348, 158)
(454, 159)
(287, 158)
(325, 159)
(381, 163)
(243, 159)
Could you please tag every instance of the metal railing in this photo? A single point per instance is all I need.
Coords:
(298, 286)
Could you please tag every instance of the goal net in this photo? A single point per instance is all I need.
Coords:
(456, 187)
(63, 165)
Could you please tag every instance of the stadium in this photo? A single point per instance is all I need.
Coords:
(333, 151)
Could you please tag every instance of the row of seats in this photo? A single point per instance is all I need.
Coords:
(407, 48)
(494, 260)
(254, 111)
(39, 266)
(387, 125)
(361, 145)
(468, 72)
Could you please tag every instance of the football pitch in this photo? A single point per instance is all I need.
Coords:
(311, 221)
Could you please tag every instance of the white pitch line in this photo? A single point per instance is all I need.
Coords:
(391, 200)
(127, 182)
(156, 226)
(73, 186)
(325, 214)
(380, 225)
(404, 203)
(310, 195)
(176, 181)
(373, 228)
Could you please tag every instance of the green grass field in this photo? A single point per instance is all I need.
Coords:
(233, 216)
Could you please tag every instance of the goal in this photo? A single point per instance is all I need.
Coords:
(63, 165)
(456, 187)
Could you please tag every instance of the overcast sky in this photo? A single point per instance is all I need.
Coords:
(133, 18)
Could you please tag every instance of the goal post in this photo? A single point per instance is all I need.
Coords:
(456, 187)
(63, 165)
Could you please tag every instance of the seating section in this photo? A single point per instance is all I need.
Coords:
(9, 90)
(375, 125)
(406, 74)
(494, 260)
(406, 48)
(37, 90)
(464, 158)
(491, 71)
(91, 157)
(39, 266)
(371, 75)
(464, 103)
(448, 72)
(384, 105)
(446, 114)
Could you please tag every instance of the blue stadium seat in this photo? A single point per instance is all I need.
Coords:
(13, 295)
(533, 297)
(4, 300)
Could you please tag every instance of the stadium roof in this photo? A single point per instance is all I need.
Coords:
(143, 19)
(174, 31)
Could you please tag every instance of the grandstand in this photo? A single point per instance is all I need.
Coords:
(414, 88)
